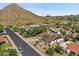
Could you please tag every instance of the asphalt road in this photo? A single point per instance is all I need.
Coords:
(27, 50)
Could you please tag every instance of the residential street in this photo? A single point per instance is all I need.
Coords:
(25, 49)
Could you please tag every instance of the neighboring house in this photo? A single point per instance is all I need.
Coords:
(55, 30)
(2, 39)
(50, 39)
(46, 25)
(27, 27)
(31, 26)
(64, 45)
(70, 46)
(73, 47)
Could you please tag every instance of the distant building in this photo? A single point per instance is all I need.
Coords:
(26, 27)
(55, 30)
(35, 25)
(31, 26)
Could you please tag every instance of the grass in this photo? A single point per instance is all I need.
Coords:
(7, 50)
(5, 45)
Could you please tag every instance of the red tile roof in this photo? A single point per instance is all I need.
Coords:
(2, 39)
(73, 47)
(48, 36)
(41, 34)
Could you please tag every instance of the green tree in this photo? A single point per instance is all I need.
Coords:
(7, 50)
(59, 49)
(77, 37)
(77, 29)
(21, 31)
(1, 28)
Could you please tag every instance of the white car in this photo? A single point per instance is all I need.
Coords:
(21, 50)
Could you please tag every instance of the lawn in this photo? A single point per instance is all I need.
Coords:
(7, 50)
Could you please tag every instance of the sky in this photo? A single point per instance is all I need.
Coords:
(53, 9)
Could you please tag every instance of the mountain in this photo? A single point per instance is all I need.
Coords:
(14, 14)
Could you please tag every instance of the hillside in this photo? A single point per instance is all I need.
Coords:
(14, 14)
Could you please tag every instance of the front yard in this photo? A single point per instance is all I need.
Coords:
(40, 45)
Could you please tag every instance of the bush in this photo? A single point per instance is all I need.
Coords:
(77, 29)
(12, 52)
(21, 31)
(37, 42)
(16, 29)
(71, 54)
(50, 51)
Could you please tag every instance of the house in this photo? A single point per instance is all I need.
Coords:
(55, 30)
(73, 47)
(64, 45)
(27, 27)
(46, 25)
(2, 39)
(35, 25)
(50, 39)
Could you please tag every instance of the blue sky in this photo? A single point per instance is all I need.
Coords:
(53, 9)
